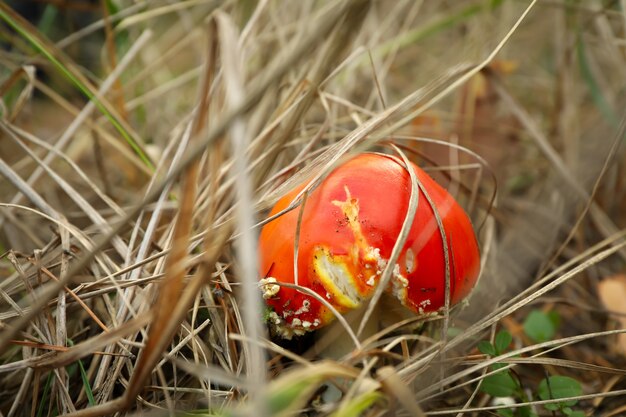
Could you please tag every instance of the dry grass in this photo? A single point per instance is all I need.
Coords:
(144, 142)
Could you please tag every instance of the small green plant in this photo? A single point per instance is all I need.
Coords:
(539, 327)
(503, 383)
(555, 387)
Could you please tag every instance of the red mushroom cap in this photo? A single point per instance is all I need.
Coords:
(349, 226)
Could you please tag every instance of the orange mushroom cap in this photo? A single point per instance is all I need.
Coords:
(349, 227)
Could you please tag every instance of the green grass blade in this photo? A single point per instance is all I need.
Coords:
(357, 406)
(594, 88)
(86, 385)
(85, 379)
(30, 34)
(44, 396)
(46, 23)
(446, 21)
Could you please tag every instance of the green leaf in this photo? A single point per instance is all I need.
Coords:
(506, 412)
(577, 414)
(486, 348)
(281, 400)
(552, 407)
(539, 327)
(497, 366)
(555, 318)
(556, 387)
(518, 183)
(357, 406)
(454, 332)
(501, 384)
(111, 6)
(526, 412)
(502, 342)
(293, 389)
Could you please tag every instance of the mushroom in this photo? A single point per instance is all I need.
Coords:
(349, 226)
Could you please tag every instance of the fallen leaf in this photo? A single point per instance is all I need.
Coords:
(612, 293)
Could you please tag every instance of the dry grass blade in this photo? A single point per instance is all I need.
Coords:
(478, 327)
(395, 387)
(126, 289)
(335, 45)
(423, 99)
(584, 258)
(490, 203)
(510, 359)
(27, 72)
(170, 305)
(466, 75)
(71, 355)
(245, 243)
(604, 223)
(280, 65)
(61, 301)
(26, 136)
(567, 364)
(163, 323)
(400, 241)
(617, 393)
(80, 201)
(71, 71)
(30, 193)
(617, 141)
